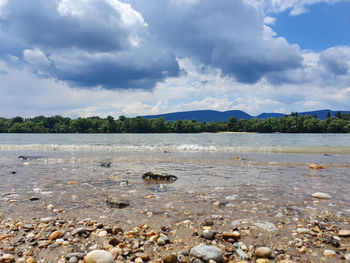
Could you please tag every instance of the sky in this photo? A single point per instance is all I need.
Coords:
(81, 58)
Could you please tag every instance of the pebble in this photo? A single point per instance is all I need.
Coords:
(263, 252)
(7, 257)
(347, 256)
(207, 252)
(143, 256)
(99, 256)
(30, 260)
(73, 260)
(47, 220)
(170, 258)
(138, 260)
(208, 234)
(320, 195)
(239, 250)
(79, 231)
(328, 253)
(303, 230)
(344, 233)
(114, 241)
(103, 233)
(217, 203)
(234, 235)
(56, 234)
(161, 241)
(262, 260)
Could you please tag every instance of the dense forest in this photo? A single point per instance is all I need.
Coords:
(293, 123)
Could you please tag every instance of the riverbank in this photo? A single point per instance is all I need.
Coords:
(298, 233)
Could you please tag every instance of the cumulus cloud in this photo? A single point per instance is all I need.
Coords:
(89, 43)
(336, 60)
(229, 35)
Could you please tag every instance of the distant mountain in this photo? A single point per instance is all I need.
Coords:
(201, 115)
(321, 114)
(268, 115)
(217, 116)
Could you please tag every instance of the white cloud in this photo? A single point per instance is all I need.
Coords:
(36, 57)
(296, 7)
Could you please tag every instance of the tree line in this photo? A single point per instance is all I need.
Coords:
(293, 123)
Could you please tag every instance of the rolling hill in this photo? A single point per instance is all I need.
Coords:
(218, 116)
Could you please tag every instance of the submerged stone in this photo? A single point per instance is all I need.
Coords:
(116, 202)
(320, 195)
(207, 252)
(150, 177)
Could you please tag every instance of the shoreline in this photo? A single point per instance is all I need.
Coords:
(291, 236)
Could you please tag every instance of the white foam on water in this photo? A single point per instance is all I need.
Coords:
(177, 148)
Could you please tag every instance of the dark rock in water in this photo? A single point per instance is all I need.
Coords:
(160, 188)
(106, 165)
(13, 172)
(156, 178)
(116, 202)
(24, 158)
(34, 198)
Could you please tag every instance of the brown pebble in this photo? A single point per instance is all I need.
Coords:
(263, 252)
(143, 256)
(56, 234)
(170, 259)
(234, 235)
(31, 260)
(208, 222)
(114, 242)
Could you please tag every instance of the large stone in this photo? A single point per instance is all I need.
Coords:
(99, 256)
(207, 252)
(320, 195)
(263, 252)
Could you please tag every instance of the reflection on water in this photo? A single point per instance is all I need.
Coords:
(68, 174)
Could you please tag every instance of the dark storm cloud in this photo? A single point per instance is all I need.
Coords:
(108, 43)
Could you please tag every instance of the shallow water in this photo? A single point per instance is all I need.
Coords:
(251, 175)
